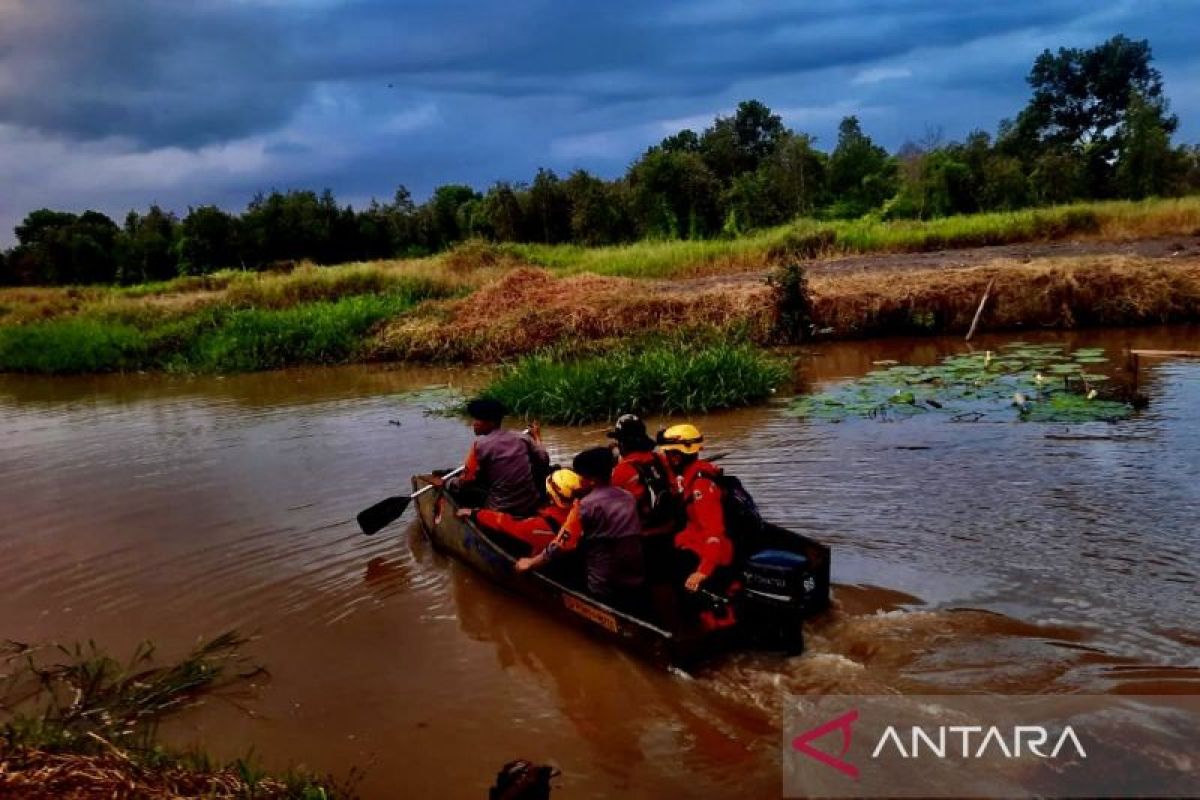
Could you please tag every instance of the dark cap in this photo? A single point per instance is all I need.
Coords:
(486, 409)
(595, 463)
(629, 430)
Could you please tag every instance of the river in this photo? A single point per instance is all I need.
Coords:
(967, 557)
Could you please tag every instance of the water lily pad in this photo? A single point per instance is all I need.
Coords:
(973, 385)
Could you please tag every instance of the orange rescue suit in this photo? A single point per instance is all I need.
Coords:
(704, 534)
(536, 531)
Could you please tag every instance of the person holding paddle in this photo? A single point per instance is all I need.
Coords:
(504, 470)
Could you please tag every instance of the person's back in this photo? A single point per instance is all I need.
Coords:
(604, 525)
(612, 542)
(505, 472)
(501, 466)
(646, 475)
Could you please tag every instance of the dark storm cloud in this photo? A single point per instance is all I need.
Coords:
(159, 73)
(112, 103)
(192, 73)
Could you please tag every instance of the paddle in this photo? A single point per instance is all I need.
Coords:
(385, 512)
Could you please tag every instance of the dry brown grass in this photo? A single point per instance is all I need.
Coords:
(529, 309)
(32, 774)
(1053, 293)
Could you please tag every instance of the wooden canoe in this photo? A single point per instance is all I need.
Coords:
(487, 554)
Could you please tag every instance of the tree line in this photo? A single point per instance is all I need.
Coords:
(1097, 126)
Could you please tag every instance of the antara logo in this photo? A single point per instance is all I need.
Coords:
(843, 723)
(963, 741)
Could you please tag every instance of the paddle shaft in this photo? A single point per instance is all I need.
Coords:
(427, 487)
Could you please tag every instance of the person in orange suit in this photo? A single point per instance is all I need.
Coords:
(539, 530)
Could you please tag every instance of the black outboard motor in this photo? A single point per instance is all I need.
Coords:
(778, 592)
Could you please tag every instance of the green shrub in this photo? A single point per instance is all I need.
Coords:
(793, 306)
(313, 333)
(76, 344)
(676, 378)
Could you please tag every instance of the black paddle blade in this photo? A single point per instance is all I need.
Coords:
(382, 514)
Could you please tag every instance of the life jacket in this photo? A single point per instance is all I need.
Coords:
(659, 506)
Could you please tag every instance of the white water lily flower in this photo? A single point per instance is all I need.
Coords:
(1039, 378)
(1091, 395)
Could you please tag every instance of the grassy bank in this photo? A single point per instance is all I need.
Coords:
(318, 317)
(678, 378)
(808, 239)
(75, 722)
(1052, 293)
(483, 303)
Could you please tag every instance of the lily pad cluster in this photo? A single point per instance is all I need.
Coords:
(1027, 382)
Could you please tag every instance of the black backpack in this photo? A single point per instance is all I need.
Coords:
(743, 522)
(658, 505)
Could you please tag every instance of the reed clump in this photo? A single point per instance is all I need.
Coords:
(76, 722)
(660, 379)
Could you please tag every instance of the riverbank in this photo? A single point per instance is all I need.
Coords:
(1085, 265)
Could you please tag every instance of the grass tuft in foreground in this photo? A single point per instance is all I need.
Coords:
(76, 722)
(675, 378)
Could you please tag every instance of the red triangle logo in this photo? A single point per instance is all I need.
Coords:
(843, 723)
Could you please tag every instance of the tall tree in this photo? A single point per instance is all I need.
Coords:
(1081, 98)
(549, 210)
(208, 241)
(148, 252)
(861, 174)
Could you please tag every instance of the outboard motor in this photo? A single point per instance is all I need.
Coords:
(778, 592)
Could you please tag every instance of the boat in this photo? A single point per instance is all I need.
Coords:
(768, 611)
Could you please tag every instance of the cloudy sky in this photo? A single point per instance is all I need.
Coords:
(116, 104)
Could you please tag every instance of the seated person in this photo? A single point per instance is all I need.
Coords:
(646, 475)
(604, 525)
(703, 547)
(540, 529)
(502, 468)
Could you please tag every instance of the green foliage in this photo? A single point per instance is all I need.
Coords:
(861, 173)
(1036, 383)
(793, 306)
(257, 328)
(72, 345)
(313, 333)
(677, 378)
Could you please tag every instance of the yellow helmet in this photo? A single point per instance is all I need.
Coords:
(562, 486)
(681, 438)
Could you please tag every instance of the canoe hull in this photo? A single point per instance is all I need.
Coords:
(464, 541)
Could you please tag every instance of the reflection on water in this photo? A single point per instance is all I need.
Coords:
(967, 558)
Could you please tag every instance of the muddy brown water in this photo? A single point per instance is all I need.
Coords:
(967, 558)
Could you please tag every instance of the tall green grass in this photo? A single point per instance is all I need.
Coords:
(675, 378)
(72, 345)
(312, 333)
(215, 339)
